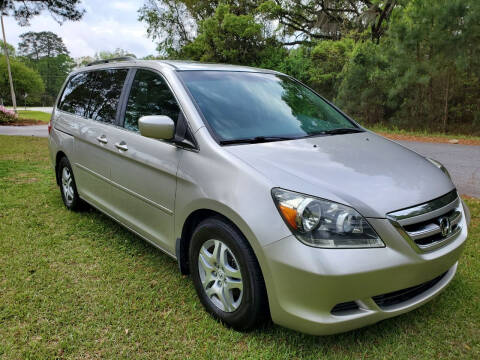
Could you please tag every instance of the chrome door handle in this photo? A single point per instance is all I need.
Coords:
(122, 145)
(102, 139)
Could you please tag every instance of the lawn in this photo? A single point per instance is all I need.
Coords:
(396, 133)
(77, 285)
(34, 115)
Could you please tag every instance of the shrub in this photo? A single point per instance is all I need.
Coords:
(7, 116)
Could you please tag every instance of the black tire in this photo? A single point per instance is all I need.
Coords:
(72, 201)
(252, 310)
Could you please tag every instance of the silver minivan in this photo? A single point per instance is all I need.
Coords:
(276, 203)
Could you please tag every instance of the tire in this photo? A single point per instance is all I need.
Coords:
(68, 187)
(237, 279)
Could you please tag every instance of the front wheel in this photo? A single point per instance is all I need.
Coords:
(227, 276)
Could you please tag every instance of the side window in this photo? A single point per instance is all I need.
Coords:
(149, 95)
(106, 87)
(76, 94)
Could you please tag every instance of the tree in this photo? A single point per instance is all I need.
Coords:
(37, 45)
(175, 23)
(26, 81)
(11, 49)
(226, 37)
(23, 11)
(328, 58)
(46, 53)
(434, 58)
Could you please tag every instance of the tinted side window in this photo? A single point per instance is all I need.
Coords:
(106, 89)
(149, 95)
(76, 95)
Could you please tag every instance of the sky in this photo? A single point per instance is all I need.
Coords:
(106, 25)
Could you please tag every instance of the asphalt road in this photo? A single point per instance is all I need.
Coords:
(462, 161)
(32, 130)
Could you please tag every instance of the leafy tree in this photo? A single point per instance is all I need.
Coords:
(37, 45)
(328, 58)
(60, 10)
(11, 49)
(435, 62)
(362, 91)
(45, 52)
(302, 22)
(25, 80)
(175, 23)
(226, 37)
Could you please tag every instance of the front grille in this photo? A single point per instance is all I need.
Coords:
(400, 296)
(344, 307)
(432, 224)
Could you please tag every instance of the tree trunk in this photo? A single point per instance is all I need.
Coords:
(445, 113)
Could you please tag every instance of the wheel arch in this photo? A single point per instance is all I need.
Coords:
(60, 154)
(195, 216)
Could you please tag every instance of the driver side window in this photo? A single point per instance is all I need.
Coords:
(149, 95)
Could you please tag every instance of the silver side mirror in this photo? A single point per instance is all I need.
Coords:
(156, 126)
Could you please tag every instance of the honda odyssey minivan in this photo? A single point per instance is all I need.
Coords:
(276, 203)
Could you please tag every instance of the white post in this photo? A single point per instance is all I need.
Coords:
(12, 91)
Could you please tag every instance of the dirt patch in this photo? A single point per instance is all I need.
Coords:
(431, 139)
(23, 122)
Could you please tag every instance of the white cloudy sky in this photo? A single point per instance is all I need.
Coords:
(106, 25)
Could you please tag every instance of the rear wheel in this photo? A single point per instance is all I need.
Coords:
(227, 276)
(68, 188)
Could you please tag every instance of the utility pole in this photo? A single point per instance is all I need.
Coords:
(12, 91)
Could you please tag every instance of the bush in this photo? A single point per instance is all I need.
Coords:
(7, 116)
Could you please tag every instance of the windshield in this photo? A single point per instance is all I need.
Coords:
(248, 105)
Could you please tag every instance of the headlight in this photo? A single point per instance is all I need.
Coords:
(325, 224)
(440, 166)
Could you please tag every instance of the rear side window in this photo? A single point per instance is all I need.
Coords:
(106, 88)
(149, 95)
(94, 94)
(76, 96)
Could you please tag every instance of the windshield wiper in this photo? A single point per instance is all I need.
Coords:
(342, 131)
(255, 140)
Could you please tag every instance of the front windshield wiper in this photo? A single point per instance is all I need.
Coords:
(255, 140)
(342, 131)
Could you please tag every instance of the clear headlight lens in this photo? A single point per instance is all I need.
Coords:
(322, 223)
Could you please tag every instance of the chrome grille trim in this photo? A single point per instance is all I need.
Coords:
(425, 208)
(419, 225)
(432, 228)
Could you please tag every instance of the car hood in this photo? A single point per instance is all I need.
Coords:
(363, 170)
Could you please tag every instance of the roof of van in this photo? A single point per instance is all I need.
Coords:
(180, 65)
(195, 65)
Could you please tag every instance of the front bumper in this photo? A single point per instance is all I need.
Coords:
(305, 283)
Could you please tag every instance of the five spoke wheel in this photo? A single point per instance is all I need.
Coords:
(67, 185)
(220, 275)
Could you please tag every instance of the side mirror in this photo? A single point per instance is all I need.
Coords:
(156, 126)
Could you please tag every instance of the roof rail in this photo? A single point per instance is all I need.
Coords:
(105, 61)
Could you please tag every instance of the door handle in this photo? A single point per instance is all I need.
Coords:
(102, 139)
(122, 145)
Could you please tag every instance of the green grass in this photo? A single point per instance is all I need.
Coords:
(77, 285)
(34, 115)
(395, 130)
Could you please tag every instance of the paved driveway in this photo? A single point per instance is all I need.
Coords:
(47, 109)
(462, 161)
(33, 130)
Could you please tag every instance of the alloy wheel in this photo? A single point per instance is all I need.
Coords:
(220, 275)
